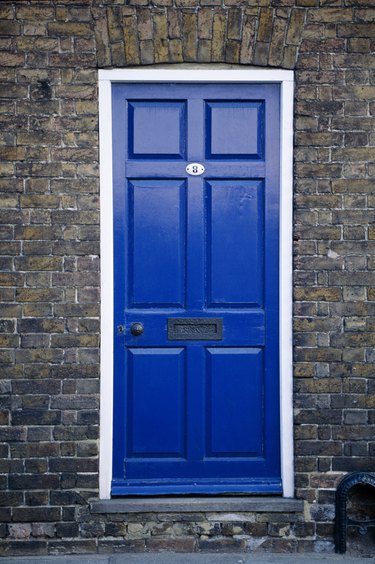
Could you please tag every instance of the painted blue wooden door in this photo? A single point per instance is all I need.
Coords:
(196, 405)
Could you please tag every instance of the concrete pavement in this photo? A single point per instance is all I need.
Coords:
(184, 558)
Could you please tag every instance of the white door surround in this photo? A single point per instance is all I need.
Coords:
(182, 74)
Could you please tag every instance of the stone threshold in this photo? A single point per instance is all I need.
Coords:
(198, 504)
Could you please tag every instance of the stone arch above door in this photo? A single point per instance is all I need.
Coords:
(138, 34)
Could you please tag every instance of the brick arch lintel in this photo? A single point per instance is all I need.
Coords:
(143, 35)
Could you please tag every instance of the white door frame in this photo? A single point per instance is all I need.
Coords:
(285, 79)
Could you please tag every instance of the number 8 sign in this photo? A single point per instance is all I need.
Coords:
(195, 169)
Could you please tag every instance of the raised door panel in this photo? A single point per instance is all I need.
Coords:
(234, 129)
(157, 129)
(156, 403)
(235, 242)
(157, 237)
(235, 402)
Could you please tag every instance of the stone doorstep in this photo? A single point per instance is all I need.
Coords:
(198, 504)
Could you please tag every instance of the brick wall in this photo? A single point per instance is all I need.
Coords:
(49, 244)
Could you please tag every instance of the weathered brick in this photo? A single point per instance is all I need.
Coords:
(205, 22)
(66, 498)
(330, 170)
(277, 42)
(247, 43)
(36, 417)
(330, 15)
(131, 40)
(75, 91)
(261, 53)
(221, 544)
(32, 514)
(114, 21)
(265, 25)
(295, 27)
(72, 59)
(34, 13)
(353, 464)
(50, 286)
(144, 22)
(73, 465)
(120, 546)
(234, 24)
(189, 33)
(38, 294)
(9, 28)
(11, 59)
(43, 530)
(102, 42)
(356, 30)
(80, 29)
(356, 154)
(218, 34)
(319, 138)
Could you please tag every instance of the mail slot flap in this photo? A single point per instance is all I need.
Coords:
(195, 328)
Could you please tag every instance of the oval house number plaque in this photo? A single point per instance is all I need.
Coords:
(195, 169)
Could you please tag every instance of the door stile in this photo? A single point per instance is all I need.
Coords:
(195, 148)
(195, 255)
(195, 282)
(195, 245)
(120, 240)
(271, 269)
(196, 402)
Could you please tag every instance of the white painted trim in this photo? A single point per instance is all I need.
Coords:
(286, 289)
(187, 75)
(285, 79)
(106, 310)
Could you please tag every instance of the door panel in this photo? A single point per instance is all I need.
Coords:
(157, 129)
(157, 263)
(156, 403)
(234, 402)
(225, 120)
(234, 220)
(196, 405)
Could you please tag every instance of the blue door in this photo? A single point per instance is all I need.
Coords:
(196, 226)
